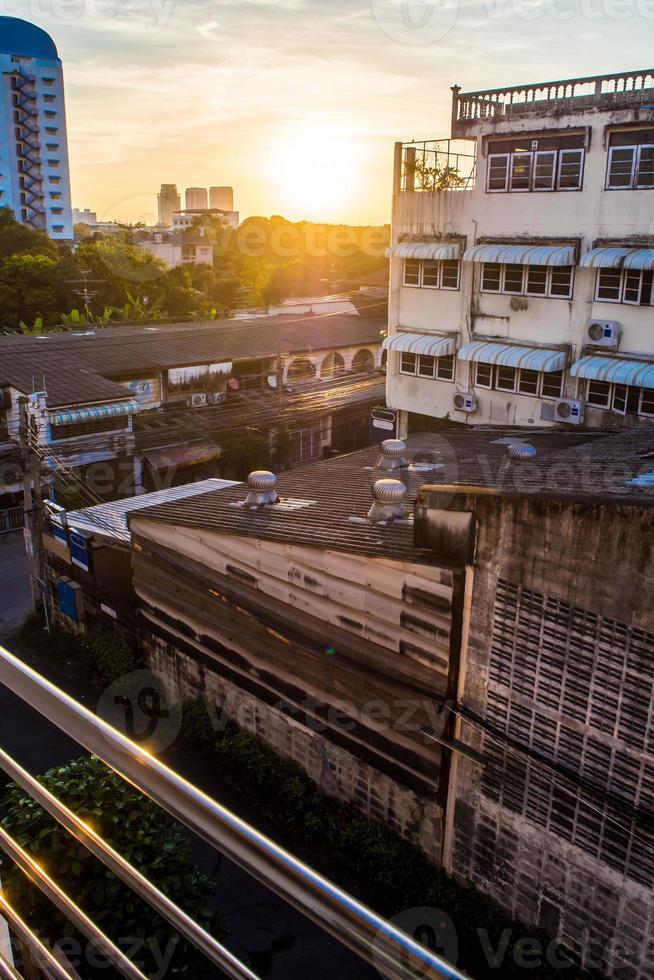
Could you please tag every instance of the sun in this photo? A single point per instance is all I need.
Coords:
(317, 172)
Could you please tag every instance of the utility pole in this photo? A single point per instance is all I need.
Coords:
(32, 502)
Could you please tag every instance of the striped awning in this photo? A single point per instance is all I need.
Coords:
(510, 355)
(616, 370)
(604, 258)
(91, 413)
(518, 254)
(640, 258)
(431, 251)
(420, 343)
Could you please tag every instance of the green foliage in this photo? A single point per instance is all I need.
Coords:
(111, 657)
(135, 827)
(100, 658)
(391, 873)
(242, 452)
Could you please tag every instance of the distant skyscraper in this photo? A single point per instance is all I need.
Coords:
(196, 199)
(34, 173)
(222, 198)
(168, 201)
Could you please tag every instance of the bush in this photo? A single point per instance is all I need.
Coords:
(111, 657)
(391, 873)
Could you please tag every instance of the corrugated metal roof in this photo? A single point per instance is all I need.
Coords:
(78, 368)
(583, 464)
(421, 343)
(616, 370)
(604, 258)
(429, 251)
(520, 254)
(111, 519)
(510, 355)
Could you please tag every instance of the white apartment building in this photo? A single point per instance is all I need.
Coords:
(522, 261)
(34, 172)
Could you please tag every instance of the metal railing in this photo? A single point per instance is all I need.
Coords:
(394, 954)
(438, 165)
(11, 520)
(493, 103)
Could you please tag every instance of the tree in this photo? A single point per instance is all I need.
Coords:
(135, 827)
(29, 289)
(18, 239)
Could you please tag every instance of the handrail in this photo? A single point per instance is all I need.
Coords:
(375, 940)
(196, 935)
(567, 82)
(44, 958)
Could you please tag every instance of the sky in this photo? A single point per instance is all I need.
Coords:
(297, 103)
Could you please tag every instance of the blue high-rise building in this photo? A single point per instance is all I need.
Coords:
(34, 172)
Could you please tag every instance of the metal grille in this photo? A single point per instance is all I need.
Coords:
(576, 687)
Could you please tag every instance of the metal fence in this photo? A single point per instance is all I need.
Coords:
(11, 520)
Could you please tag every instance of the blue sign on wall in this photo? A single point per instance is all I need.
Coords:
(67, 601)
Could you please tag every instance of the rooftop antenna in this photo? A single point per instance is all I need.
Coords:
(84, 292)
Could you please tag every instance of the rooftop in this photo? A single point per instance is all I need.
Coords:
(322, 499)
(19, 37)
(473, 112)
(81, 367)
(110, 520)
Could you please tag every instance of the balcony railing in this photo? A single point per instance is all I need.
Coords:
(438, 165)
(546, 96)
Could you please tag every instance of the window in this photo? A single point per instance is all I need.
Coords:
(445, 368)
(51, 130)
(75, 429)
(536, 280)
(631, 160)
(620, 393)
(528, 382)
(425, 366)
(53, 163)
(561, 282)
(49, 98)
(48, 81)
(598, 393)
(57, 210)
(431, 274)
(55, 195)
(632, 286)
(548, 163)
(484, 375)
(50, 114)
(609, 285)
(491, 277)
(411, 272)
(530, 280)
(552, 384)
(57, 227)
(408, 364)
(54, 179)
(513, 278)
(647, 402)
(52, 146)
(505, 378)
(450, 275)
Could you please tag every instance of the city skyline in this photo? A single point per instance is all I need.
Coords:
(295, 105)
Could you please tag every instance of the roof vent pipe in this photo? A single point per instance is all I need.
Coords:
(262, 485)
(392, 457)
(388, 497)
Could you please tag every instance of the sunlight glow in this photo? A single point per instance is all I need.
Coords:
(316, 170)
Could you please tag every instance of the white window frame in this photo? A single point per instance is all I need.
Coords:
(484, 289)
(528, 154)
(480, 384)
(626, 273)
(539, 381)
(529, 292)
(559, 393)
(550, 276)
(513, 292)
(602, 299)
(412, 285)
(647, 415)
(438, 274)
(404, 354)
(637, 186)
(524, 290)
(505, 367)
(609, 393)
(563, 153)
(451, 289)
(614, 392)
(438, 364)
(636, 149)
(507, 161)
(555, 167)
(426, 357)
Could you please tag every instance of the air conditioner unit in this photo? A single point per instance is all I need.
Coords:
(465, 401)
(216, 397)
(569, 410)
(197, 401)
(604, 333)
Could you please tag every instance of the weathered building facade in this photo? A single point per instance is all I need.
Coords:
(522, 258)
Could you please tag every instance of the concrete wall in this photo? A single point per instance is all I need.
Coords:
(561, 659)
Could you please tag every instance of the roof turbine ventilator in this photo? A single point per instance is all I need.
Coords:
(521, 451)
(392, 457)
(388, 497)
(262, 485)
